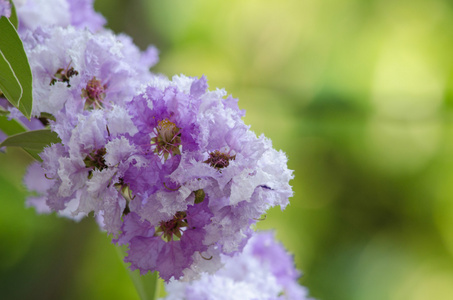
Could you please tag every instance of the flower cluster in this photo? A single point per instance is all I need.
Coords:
(174, 173)
(168, 167)
(264, 270)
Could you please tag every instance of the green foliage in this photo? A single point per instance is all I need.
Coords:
(13, 17)
(33, 142)
(9, 84)
(12, 126)
(16, 77)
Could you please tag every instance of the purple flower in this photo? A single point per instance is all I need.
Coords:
(241, 173)
(35, 13)
(167, 167)
(5, 8)
(168, 247)
(87, 169)
(75, 70)
(37, 182)
(280, 263)
(142, 61)
(264, 270)
(198, 154)
(83, 15)
(173, 171)
(62, 13)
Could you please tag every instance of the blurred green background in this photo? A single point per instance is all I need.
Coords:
(359, 94)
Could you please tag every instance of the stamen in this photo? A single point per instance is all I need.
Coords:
(205, 257)
(94, 93)
(95, 160)
(167, 139)
(219, 160)
(64, 75)
(173, 229)
(170, 189)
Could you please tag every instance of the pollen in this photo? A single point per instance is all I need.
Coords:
(219, 160)
(167, 140)
(94, 93)
(172, 229)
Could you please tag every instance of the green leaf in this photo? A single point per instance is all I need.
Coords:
(13, 17)
(11, 127)
(33, 153)
(32, 141)
(3, 112)
(12, 56)
(9, 84)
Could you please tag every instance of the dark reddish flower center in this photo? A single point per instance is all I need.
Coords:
(167, 139)
(173, 228)
(219, 160)
(94, 93)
